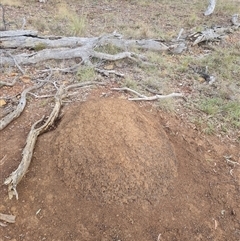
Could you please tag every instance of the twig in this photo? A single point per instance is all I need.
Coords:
(130, 90)
(4, 28)
(16, 63)
(146, 98)
(79, 85)
(156, 97)
(2, 160)
(24, 23)
(5, 121)
(71, 69)
(2, 83)
(227, 158)
(180, 33)
(107, 72)
(41, 96)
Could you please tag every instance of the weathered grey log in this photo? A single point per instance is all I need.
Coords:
(39, 43)
(85, 53)
(14, 33)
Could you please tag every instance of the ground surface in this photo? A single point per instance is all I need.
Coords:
(112, 169)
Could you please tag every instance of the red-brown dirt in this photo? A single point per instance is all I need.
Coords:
(112, 170)
(115, 170)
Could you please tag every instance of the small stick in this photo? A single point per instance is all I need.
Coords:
(107, 72)
(180, 33)
(16, 63)
(3, 18)
(2, 160)
(156, 97)
(130, 90)
(2, 83)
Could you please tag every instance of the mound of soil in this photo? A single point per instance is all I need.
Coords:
(109, 150)
(113, 171)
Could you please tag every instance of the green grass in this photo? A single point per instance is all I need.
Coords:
(86, 74)
(78, 25)
(223, 112)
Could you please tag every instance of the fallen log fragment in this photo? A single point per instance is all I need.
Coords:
(14, 33)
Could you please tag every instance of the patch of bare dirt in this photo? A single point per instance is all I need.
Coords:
(113, 170)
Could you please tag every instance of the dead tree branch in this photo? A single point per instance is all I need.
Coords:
(146, 98)
(157, 97)
(16, 63)
(130, 90)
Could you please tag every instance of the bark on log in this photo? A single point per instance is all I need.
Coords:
(15, 33)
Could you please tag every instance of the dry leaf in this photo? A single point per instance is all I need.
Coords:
(25, 79)
(109, 67)
(2, 102)
(14, 74)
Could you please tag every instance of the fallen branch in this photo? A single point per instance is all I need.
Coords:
(108, 72)
(5, 121)
(2, 160)
(16, 176)
(146, 98)
(130, 90)
(4, 26)
(16, 63)
(156, 97)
